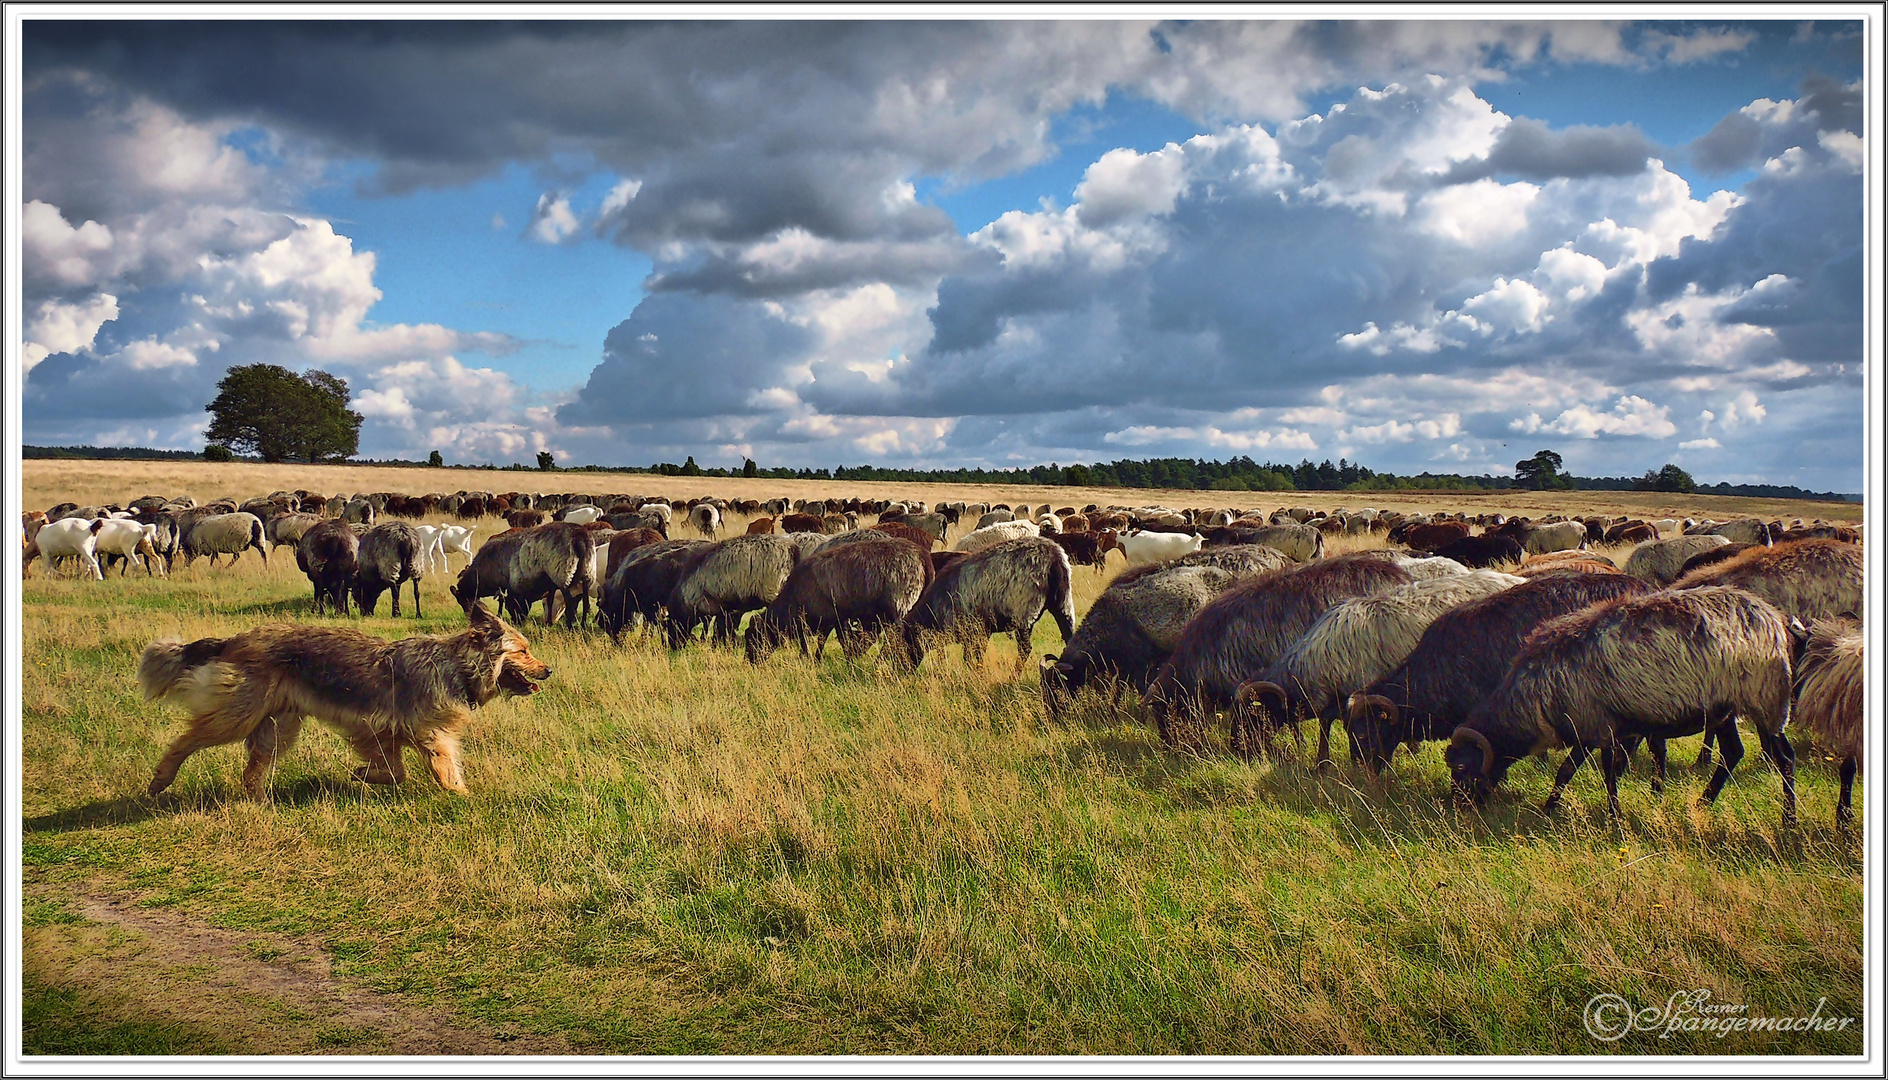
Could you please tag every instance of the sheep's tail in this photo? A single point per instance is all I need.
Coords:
(166, 662)
(1062, 595)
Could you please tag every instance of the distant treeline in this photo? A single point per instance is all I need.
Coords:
(1237, 474)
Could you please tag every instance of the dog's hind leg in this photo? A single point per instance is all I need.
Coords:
(271, 739)
(382, 753)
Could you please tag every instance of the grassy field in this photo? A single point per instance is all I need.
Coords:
(680, 853)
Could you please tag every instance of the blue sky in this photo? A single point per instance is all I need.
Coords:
(1419, 245)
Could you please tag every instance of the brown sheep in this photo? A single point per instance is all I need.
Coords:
(1830, 699)
(1810, 579)
(760, 525)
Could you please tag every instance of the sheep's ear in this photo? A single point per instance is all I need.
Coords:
(1799, 631)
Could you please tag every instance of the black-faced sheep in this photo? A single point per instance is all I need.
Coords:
(1352, 646)
(854, 590)
(489, 572)
(389, 557)
(641, 584)
(1663, 666)
(1479, 552)
(1246, 629)
(1830, 699)
(1809, 579)
(1462, 656)
(1301, 543)
(1001, 589)
(329, 553)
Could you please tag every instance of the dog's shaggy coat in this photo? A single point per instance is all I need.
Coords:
(382, 696)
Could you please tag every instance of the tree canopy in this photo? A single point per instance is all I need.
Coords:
(1542, 472)
(1670, 478)
(270, 411)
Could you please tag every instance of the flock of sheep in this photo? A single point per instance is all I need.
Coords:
(1503, 637)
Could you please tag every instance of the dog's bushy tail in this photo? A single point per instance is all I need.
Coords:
(165, 662)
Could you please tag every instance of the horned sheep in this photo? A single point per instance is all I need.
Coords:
(1001, 589)
(855, 590)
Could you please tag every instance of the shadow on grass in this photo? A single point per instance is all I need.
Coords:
(1405, 805)
(132, 809)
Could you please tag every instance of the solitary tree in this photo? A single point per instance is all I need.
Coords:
(269, 410)
(1541, 472)
(435, 459)
(1670, 478)
(749, 469)
(546, 461)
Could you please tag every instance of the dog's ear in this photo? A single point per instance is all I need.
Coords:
(484, 621)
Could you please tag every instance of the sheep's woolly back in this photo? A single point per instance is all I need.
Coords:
(1658, 561)
(1829, 688)
(1810, 579)
(1000, 533)
(1359, 641)
(750, 568)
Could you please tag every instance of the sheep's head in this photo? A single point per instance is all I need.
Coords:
(1377, 726)
(1471, 759)
(764, 635)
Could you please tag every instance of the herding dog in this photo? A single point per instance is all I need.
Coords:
(258, 686)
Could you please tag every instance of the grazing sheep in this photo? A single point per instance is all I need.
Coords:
(1461, 657)
(1245, 630)
(1086, 548)
(552, 560)
(1129, 631)
(129, 542)
(579, 514)
(1001, 589)
(1560, 536)
(854, 590)
(1302, 543)
(639, 519)
(389, 556)
(643, 581)
(705, 519)
(1658, 561)
(1568, 566)
(1427, 536)
(992, 535)
(1144, 548)
(225, 534)
(489, 571)
(834, 524)
(802, 523)
(1809, 579)
(1632, 532)
(625, 542)
(1830, 699)
(1480, 552)
(760, 526)
(995, 517)
(329, 553)
(285, 530)
(72, 537)
(932, 523)
(1748, 530)
(525, 519)
(1352, 646)
(1661, 667)
(662, 510)
(904, 531)
(739, 575)
(358, 512)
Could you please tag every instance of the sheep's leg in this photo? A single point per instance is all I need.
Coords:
(1845, 815)
(1023, 646)
(1657, 746)
(1730, 752)
(1704, 752)
(416, 596)
(396, 599)
(271, 739)
(1575, 758)
(1613, 762)
(1781, 754)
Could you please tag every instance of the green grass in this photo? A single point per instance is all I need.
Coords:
(686, 854)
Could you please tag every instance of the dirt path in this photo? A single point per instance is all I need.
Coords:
(260, 993)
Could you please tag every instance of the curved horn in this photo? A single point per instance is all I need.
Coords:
(1266, 692)
(1470, 735)
(1359, 706)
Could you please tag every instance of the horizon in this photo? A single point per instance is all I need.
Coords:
(963, 244)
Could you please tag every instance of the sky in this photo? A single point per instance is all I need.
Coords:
(1420, 245)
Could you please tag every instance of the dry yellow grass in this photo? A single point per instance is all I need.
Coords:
(48, 482)
(681, 852)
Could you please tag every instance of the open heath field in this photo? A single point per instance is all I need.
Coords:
(685, 853)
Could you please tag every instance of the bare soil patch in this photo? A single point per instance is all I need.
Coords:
(260, 993)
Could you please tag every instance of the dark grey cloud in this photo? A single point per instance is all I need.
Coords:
(1530, 149)
(681, 356)
(1752, 135)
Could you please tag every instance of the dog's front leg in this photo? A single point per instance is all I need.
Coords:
(441, 748)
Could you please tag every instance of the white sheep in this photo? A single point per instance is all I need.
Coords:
(71, 537)
(130, 540)
(1142, 548)
(999, 533)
